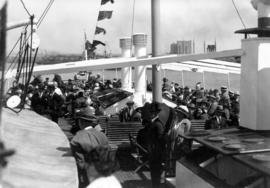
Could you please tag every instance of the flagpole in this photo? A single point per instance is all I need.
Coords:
(85, 50)
(229, 84)
(156, 49)
(182, 76)
(132, 27)
(203, 77)
(3, 17)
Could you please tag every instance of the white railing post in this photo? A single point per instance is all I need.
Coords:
(126, 72)
(140, 41)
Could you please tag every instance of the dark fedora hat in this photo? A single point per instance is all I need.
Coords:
(211, 97)
(219, 108)
(223, 88)
(130, 103)
(192, 106)
(204, 101)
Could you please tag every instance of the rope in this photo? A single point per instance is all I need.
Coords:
(25, 8)
(21, 47)
(39, 22)
(45, 12)
(238, 13)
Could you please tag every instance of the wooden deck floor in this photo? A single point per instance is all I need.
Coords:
(126, 174)
(42, 157)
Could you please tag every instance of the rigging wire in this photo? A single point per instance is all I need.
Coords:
(45, 12)
(11, 66)
(38, 24)
(25, 8)
(239, 15)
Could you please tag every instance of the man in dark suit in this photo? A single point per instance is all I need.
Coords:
(157, 119)
(129, 113)
(218, 121)
(55, 102)
(213, 105)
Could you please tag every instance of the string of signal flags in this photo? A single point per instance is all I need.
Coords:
(104, 14)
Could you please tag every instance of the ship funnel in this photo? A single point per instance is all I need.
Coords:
(126, 72)
(140, 43)
(263, 29)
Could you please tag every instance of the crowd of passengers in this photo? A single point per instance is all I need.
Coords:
(219, 109)
(95, 160)
(58, 98)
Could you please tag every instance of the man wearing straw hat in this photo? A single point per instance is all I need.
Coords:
(218, 121)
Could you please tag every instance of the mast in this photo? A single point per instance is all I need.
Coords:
(85, 49)
(2, 58)
(156, 49)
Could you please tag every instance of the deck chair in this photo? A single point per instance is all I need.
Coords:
(139, 154)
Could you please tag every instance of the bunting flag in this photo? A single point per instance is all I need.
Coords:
(103, 2)
(97, 42)
(100, 30)
(92, 47)
(104, 15)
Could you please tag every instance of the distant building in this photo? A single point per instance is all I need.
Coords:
(183, 47)
(210, 47)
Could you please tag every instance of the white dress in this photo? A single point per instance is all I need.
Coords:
(105, 182)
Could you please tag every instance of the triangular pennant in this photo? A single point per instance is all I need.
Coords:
(97, 42)
(103, 2)
(104, 15)
(100, 30)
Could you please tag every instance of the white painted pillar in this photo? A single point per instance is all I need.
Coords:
(255, 75)
(140, 41)
(255, 84)
(126, 72)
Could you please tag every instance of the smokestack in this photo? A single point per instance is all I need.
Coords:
(263, 29)
(140, 41)
(126, 72)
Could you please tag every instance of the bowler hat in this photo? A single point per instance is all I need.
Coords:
(211, 97)
(219, 108)
(130, 103)
(192, 106)
(223, 88)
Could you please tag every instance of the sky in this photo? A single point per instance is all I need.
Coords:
(62, 30)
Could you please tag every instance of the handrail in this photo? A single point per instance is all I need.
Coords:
(100, 64)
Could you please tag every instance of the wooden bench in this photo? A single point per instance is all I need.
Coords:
(197, 124)
(118, 133)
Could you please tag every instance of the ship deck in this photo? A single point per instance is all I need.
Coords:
(42, 158)
(126, 174)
